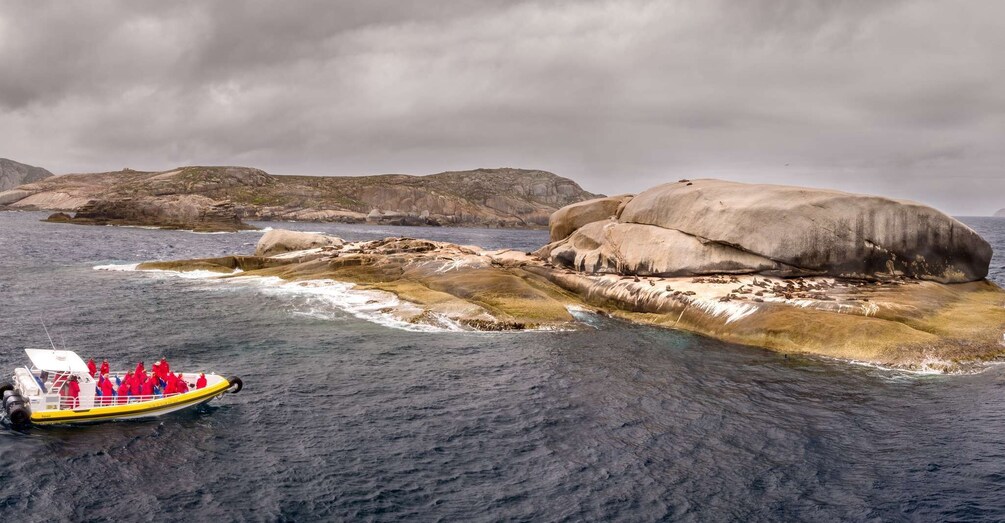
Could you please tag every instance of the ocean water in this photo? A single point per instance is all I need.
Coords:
(345, 416)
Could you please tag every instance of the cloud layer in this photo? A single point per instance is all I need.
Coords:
(898, 98)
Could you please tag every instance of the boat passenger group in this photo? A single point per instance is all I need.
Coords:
(138, 384)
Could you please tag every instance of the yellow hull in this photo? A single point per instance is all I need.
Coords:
(145, 409)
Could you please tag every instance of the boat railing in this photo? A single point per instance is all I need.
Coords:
(68, 403)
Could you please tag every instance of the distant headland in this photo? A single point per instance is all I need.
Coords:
(223, 198)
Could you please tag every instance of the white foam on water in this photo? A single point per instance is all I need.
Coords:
(321, 299)
(127, 267)
(188, 275)
(928, 367)
(583, 315)
(731, 310)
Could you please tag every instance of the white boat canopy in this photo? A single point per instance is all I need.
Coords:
(57, 360)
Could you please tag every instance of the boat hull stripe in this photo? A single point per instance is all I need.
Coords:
(130, 411)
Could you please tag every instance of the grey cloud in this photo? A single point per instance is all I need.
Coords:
(897, 98)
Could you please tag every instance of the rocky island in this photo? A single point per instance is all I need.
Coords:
(789, 269)
(222, 198)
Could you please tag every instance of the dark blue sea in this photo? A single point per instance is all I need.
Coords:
(346, 418)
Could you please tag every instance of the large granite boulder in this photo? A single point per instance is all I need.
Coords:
(566, 220)
(279, 241)
(709, 226)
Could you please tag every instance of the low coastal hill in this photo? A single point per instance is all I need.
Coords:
(482, 197)
(14, 173)
(1000, 213)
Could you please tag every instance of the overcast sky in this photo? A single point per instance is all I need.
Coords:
(905, 99)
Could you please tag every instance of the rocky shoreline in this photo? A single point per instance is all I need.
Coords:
(817, 272)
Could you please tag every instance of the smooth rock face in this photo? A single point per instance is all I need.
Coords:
(783, 231)
(566, 220)
(13, 174)
(279, 241)
(628, 248)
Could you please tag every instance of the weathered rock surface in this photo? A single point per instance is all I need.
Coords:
(189, 212)
(629, 248)
(280, 241)
(566, 220)
(438, 283)
(486, 197)
(13, 174)
(908, 323)
(713, 226)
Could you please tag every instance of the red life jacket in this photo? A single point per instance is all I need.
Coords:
(74, 391)
(164, 366)
(104, 367)
(181, 386)
(201, 382)
(171, 387)
(123, 392)
(91, 367)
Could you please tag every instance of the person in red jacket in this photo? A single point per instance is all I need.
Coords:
(201, 382)
(148, 387)
(136, 385)
(182, 386)
(106, 391)
(165, 368)
(123, 392)
(105, 368)
(73, 391)
(92, 369)
(171, 387)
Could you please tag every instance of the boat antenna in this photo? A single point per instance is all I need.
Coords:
(47, 335)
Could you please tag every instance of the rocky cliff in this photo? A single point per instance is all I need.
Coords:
(486, 197)
(13, 174)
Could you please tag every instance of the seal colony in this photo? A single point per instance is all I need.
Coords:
(790, 269)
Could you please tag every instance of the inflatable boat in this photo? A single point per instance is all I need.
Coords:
(37, 394)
